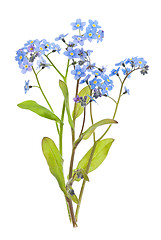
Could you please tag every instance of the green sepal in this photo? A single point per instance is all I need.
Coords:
(38, 109)
(92, 128)
(99, 156)
(65, 92)
(55, 161)
(79, 109)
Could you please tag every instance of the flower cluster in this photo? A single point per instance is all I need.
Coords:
(35, 49)
(83, 70)
(128, 65)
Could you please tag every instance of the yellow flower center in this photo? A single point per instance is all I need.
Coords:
(96, 73)
(108, 80)
(78, 25)
(140, 62)
(99, 36)
(106, 88)
(20, 57)
(90, 34)
(26, 66)
(41, 48)
(79, 73)
(71, 53)
(95, 82)
(31, 41)
(93, 25)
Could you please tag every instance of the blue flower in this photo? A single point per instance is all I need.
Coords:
(93, 24)
(55, 47)
(78, 39)
(71, 53)
(85, 79)
(31, 48)
(26, 87)
(114, 72)
(126, 91)
(79, 72)
(41, 62)
(90, 34)
(97, 73)
(96, 82)
(126, 71)
(100, 35)
(140, 62)
(78, 25)
(61, 37)
(25, 66)
(46, 44)
(91, 98)
(106, 86)
(40, 48)
(20, 55)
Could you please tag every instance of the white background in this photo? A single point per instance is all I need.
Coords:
(122, 200)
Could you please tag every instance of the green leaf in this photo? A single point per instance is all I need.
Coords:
(38, 109)
(79, 109)
(91, 129)
(64, 89)
(99, 156)
(54, 160)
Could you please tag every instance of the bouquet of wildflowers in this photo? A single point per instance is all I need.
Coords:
(91, 82)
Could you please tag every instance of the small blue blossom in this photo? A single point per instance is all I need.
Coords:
(97, 73)
(46, 44)
(78, 39)
(25, 66)
(126, 91)
(96, 82)
(71, 53)
(20, 55)
(61, 37)
(78, 24)
(90, 34)
(100, 36)
(40, 48)
(85, 79)
(140, 62)
(31, 48)
(79, 72)
(41, 63)
(26, 87)
(114, 72)
(93, 24)
(91, 98)
(126, 71)
(55, 47)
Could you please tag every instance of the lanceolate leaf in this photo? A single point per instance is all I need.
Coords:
(54, 160)
(38, 109)
(91, 129)
(79, 109)
(99, 156)
(64, 89)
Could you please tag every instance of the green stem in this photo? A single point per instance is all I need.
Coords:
(94, 147)
(91, 115)
(44, 96)
(62, 115)
(84, 181)
(54, 66)
(61, 131)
